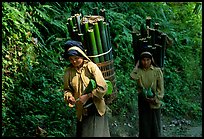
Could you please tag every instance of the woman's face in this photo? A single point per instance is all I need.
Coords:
(146, 62)
(76, 61)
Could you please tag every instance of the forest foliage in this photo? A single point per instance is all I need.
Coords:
(33, 34)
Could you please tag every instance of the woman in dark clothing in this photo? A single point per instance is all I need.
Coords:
(150, 87)
(92, 120)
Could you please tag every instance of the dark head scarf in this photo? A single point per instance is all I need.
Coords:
(70, 44)
(73, 53)
(74, 48)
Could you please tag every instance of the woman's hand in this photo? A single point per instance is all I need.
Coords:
(69, 99)
(84, 98)
(151, 100)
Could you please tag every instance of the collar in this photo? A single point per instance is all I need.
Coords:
(150, 68)
(82, 67)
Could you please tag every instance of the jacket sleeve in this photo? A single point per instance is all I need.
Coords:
(101, 86)
(67, 88)
(134, 74)
(160, 84)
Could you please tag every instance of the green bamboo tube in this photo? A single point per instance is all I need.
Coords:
(148, 25)
(73, 20)
(163, 44)
(81, 38)
(93, 46)
(98, 41)
(158, 56)
(154, 53)
(145, 46)
(141, 44)
(138, 47)
(103, 13)
(156, 26)
(70, 27)
(78, 22)
(157, 33)
(143, 31)
(134, 40)
(157, 37)
(70, 21)
(108, 40)
(148, 21)
(75, 33)
(103, 38)
(95, 11)
(84, 28)
(152, 34)
(157, 47)
(135, 46)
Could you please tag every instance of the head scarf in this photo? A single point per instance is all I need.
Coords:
(78, 50)
(146, 55)
(73, 53)
(71, 43)
(74, 48)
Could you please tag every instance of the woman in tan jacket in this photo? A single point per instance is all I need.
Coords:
(150, 87)
(90, 106)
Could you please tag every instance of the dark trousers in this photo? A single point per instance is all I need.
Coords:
(149, 119)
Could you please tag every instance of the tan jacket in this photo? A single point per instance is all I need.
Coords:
(75, 81)
(146, 78)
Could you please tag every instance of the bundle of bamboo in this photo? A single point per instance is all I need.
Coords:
(94, 33)
(152, 40)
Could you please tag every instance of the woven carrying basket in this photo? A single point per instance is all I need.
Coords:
(107, 70)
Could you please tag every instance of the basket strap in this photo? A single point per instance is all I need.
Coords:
(102, 53)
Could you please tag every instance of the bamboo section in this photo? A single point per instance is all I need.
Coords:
(81, 37)
(103, 13)
(136, 46)
(92, 43)
(148, 21)
(95, 11)
(152, 34)
(158, 57)
(143, 31)
(78, 22)
(163, 43)
(98, 41)
(103, 38)
(108, 40)
(156, 26)
(73, 20)
(70, 26)
(85, 28)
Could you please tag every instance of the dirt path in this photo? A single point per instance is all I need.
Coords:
(170, 128)
(182, 128)
(195, 131)
(183, 131)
